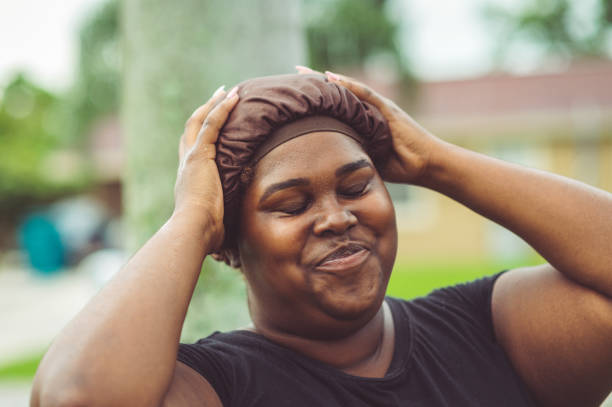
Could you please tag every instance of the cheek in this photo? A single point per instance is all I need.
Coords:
(272, 240)
(379, 216)
(379, 213)
(270, 255)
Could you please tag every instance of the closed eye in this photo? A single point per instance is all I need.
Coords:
(292, 209)
(356, 190)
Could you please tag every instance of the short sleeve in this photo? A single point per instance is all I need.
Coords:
(210, 362)
(468, 303)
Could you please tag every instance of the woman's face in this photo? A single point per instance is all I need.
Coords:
(318, 237)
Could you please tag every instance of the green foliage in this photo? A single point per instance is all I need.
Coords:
(559, 27)
(96, 92)
(21, 369)
(32, 125)
(346, 33)
(607, 11)
(38, 127)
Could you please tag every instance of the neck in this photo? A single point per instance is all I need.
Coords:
(366, 352)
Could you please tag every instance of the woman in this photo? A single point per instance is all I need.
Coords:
(311, 226)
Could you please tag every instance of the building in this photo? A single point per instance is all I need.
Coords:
(556, 121)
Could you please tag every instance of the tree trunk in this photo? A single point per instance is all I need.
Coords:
(174, 56)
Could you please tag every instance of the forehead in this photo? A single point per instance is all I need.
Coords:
(298, 157)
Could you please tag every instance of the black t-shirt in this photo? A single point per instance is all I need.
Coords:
(445, 355)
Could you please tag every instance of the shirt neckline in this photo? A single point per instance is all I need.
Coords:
(401, 350)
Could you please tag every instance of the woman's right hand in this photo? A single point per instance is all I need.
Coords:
(198, 195)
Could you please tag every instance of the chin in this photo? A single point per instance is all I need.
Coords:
(354, 303)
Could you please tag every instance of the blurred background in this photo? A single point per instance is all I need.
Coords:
(94, 95)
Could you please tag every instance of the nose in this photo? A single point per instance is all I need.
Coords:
(334, 218)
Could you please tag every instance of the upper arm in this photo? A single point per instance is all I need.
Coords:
(557, 334)
(189, 388)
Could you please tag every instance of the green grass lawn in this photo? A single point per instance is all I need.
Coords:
(21, 369)
(408, 280)
(418, 278)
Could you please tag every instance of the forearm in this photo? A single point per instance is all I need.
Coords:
(567, 222)
(121, 348)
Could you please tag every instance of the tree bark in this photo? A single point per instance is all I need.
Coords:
(174, 56)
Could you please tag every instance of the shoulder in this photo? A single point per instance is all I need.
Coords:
(222, 350)
(557, 334)
(467, 304)
(188, 388)
(220, 358)
(240, 360)
(452, 319)
(450, 335)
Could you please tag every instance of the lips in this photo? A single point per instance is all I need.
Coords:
(344, 257)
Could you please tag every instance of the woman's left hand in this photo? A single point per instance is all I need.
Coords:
(413, 146)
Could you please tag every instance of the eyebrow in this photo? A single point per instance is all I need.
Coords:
(354, 166)
(296, 182)
(293, 182)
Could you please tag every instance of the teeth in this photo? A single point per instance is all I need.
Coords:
(344, 252)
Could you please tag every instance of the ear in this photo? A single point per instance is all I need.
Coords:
(229, 257)
(217, 256)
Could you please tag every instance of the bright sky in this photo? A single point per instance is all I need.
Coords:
(40, 37)
(447, 38)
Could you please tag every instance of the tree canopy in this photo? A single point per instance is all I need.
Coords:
(349, 33)
(34, 163)
(566, 28)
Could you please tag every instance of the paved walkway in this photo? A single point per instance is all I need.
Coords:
(32, 311)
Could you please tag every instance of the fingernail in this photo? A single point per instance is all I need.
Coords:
(332, 76)
(219, 90)
(232, 92)
(305, 69)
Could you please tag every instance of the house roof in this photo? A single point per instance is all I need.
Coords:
(576, 101)
(586, 84)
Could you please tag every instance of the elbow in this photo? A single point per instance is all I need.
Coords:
(74, 395)
(54, 392)
(59, 398)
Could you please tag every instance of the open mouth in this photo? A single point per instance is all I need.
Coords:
(344, 257)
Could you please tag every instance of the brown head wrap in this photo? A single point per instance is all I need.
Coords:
(275, 109)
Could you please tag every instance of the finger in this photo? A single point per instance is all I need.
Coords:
(304, 70)
(194, 123)
(209, 131)
(181, 148)
(360, 90)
